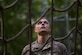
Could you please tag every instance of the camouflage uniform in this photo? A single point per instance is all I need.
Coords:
(58, 49)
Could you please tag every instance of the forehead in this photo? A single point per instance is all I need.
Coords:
(43, 19)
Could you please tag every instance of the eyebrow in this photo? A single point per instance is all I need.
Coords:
(42, 21)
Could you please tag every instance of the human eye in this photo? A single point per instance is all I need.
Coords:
(46, 22)
(39, 22)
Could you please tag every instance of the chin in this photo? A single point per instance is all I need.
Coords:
(43, 32)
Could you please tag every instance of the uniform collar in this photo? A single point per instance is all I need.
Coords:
(36, 46)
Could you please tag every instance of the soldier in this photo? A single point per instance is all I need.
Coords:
(42, 28)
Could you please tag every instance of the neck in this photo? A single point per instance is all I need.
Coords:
(42, 38)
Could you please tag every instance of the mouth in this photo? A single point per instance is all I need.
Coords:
(43, 27)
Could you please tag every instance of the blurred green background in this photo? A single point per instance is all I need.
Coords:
(16, 19)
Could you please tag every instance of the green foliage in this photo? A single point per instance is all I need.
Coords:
(16, 18)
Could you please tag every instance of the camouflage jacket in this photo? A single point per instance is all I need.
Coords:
(58, 49)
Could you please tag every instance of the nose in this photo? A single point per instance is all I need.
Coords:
(43, 23)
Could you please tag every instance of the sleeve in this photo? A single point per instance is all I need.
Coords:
(25, 50)
(64, 50)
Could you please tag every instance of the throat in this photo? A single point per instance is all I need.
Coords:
(42, 39)
(43, 33)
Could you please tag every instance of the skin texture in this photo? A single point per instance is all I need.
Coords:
(42, 25)
(42, 28)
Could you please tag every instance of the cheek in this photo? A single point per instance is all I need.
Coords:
(49, 28)
(37, 29)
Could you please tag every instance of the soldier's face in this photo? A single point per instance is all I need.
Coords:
(42, 25)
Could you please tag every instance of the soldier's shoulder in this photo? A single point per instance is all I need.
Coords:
(62, 47)
(28, 46)
(59, 44)
(25, 49)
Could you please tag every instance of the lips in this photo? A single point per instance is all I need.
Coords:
(43, 27)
